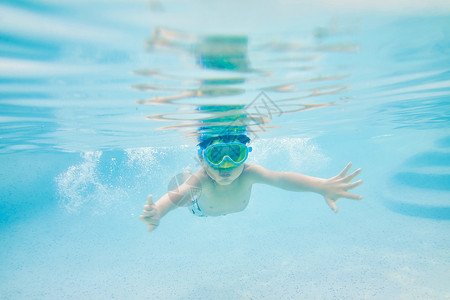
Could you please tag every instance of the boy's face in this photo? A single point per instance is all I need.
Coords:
(223, 176)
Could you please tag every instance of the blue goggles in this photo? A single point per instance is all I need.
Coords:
(218, 154)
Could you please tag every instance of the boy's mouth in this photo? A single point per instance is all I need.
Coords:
(224, 173)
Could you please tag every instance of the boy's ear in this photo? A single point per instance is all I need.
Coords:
(200, 154)
(200, 161)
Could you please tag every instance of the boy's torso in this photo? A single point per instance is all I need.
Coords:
(217, 200)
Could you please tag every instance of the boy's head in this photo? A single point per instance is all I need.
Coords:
(223, 156)
(241, 138)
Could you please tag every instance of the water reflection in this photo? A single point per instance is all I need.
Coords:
(224, 84)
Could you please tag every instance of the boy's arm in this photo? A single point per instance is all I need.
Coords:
(331, 189)
(153, 212)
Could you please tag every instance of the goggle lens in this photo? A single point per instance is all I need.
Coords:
(216, 154)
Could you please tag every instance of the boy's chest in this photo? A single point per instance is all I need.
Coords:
(216, 201)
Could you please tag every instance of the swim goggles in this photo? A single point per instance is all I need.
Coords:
(217, 155)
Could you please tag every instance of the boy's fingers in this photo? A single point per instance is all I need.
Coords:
(353, 175)
(332, 204)
(149, 213)
(342, 174)
(353, 185)
(151, 227)
(146, 219)
(149, 206)
(351, 196)
(149, 220)
(149, 200)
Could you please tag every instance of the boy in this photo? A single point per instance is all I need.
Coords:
(226, 182)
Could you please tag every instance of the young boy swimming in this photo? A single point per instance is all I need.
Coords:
(226, 181)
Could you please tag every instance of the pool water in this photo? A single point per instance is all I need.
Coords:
(102, 103)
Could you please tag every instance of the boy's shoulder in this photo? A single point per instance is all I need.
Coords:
(200, 173)
(253, 171)
(258, 174)
(253, 168)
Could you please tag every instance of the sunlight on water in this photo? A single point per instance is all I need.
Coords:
(267, 75)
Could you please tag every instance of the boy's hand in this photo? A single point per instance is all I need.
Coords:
(338, 187)
(151, 214)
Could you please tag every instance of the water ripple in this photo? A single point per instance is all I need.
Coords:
(219, 70)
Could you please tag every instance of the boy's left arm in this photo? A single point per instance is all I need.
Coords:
(331, 189)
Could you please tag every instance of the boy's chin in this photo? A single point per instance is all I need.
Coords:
(222, 181)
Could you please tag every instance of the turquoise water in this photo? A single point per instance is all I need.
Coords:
(101, 103)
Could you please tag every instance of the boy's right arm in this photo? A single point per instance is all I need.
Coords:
(153, 212)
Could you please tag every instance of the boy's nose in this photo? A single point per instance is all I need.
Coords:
(227, 164)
